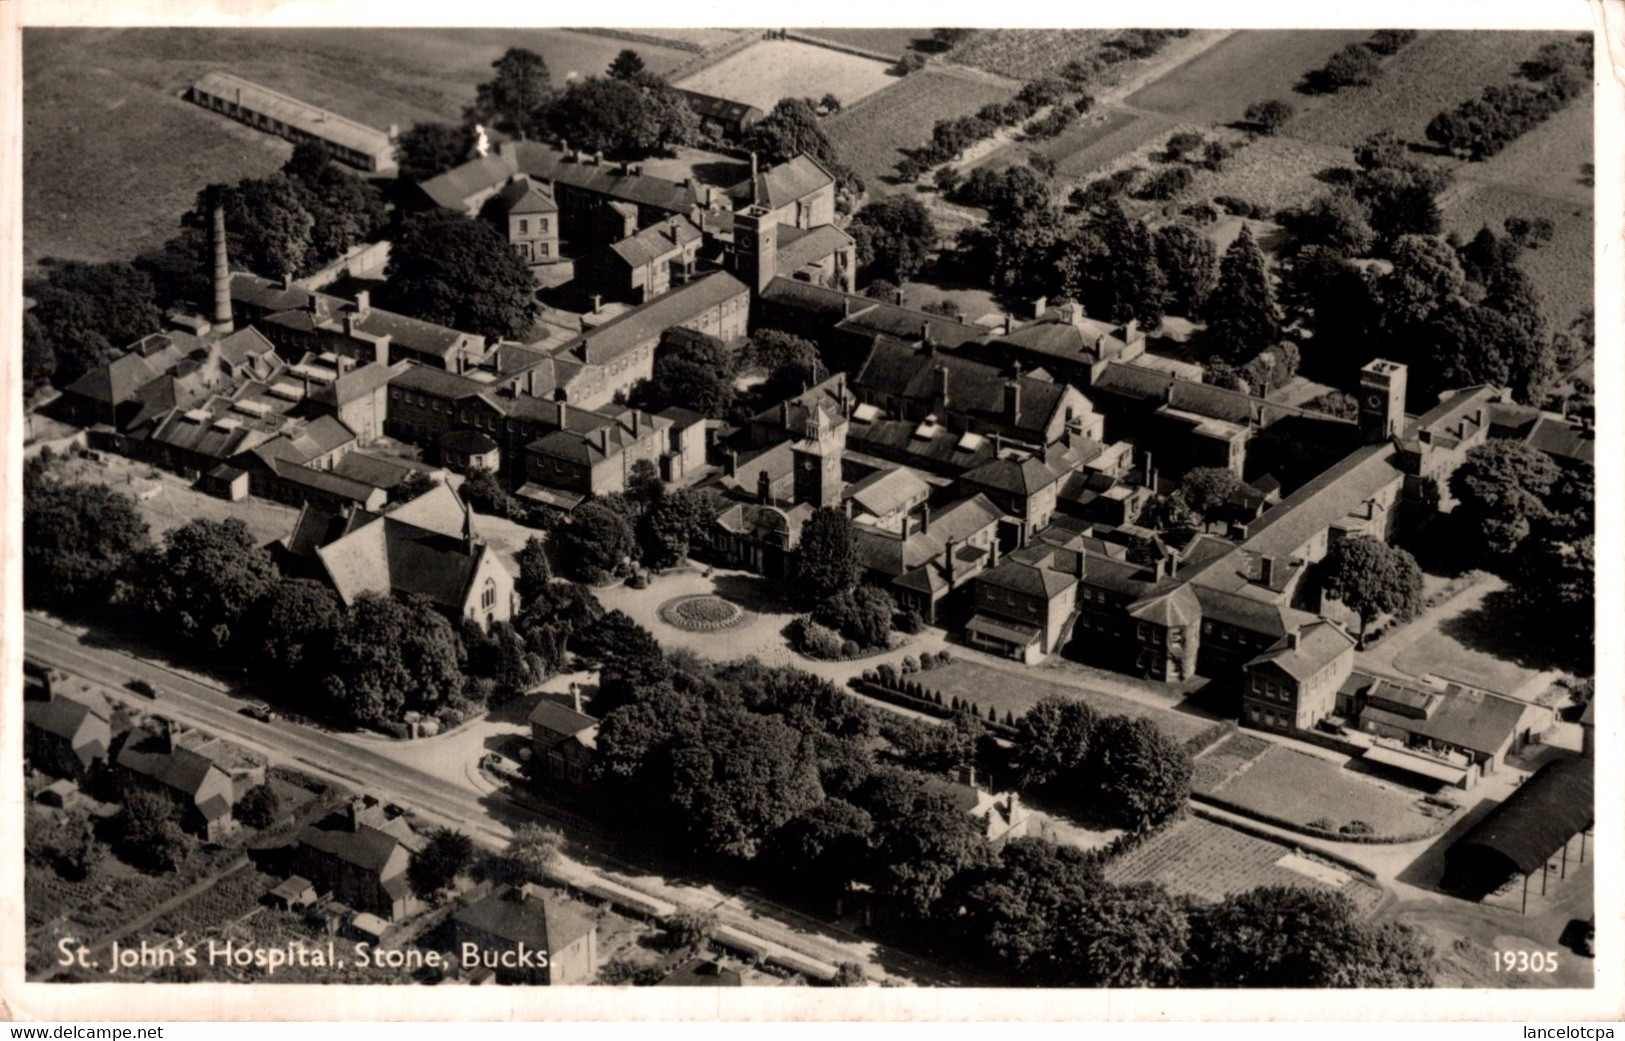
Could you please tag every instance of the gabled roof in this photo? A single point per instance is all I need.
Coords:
(439, 509)
(709, 106)
(541, 160)
(899, 370)
(320, 122)
(66, 715)
(559, 719)
(180, 769)
(527, 915)
(1244, 612)
(656, 242)
(453, 188)
(388, 555)
(1067, 334)
(1318, 644)
(1339, 491)
(798, 248)
(116, 381)
(685, 303)
(368, 846)
(783, 184)
(885, 492)
(357, 383)
(436, 382)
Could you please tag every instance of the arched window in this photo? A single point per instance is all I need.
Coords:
(488, 598)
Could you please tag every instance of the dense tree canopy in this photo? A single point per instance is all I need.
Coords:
(895, 236)
(83, 314)
(1286, 936)
(827, 562)
(624, 118)
(1241, 312)
(393, 655)
(294, 626)
(437, 865)
(1501, 488)
(1189, 266)
(1052, 740)
(1144, 776)
(345, 210)
(595, 541)
(77, 540)
(512, 99)
(199, 587)
(460, 272)
(426, 150)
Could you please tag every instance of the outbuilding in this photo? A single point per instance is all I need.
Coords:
(1539, 822)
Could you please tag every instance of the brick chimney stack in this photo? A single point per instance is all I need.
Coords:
(222, 268)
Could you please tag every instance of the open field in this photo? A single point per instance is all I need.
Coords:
(113, 156)
(1302, 788)
(764, 72)
(1562, 269)
(1438, 70)
(1091, 144)
(869, 137)
(1217, 85)
(1209, 861)
(1028, 54)
(882, 41)
(1548, 159)
(173, 502)
(1272, 172)
(703, 39)
(1016, 692)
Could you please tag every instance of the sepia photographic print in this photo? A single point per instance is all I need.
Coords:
(809, 508)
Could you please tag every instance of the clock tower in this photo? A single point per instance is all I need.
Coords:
(1382, 401)
(756, 246)
(818, 457)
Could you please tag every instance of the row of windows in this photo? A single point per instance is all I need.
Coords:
(541, 225)
(1268, 718)
(1265, 687)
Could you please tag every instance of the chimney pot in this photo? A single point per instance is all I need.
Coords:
(363, 302)
(925, 518)
(897, 297)
(1009, 325)
(764, 488)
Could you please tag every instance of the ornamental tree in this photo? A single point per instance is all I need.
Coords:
(1372, 579)
(1241, 313)
(458, 271)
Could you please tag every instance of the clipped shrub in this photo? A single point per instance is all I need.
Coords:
(819, 641)
(849, 648)
(927, 661)
(909, 664)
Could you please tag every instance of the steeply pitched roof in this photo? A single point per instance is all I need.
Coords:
(527, 915)
(65, 715)
(116, 381)
(558, 719)
(180, 769)
(1318, 645)
(709, 106)
(480, 174)
(783, 184)
(898, 370)
(368, 846)
(1244, 612)
(524, 196)
(357, 383)
(1027, 579)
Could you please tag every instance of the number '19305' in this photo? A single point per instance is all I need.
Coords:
(1525, 961)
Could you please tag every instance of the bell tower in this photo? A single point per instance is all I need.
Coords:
(818, 457)
(1382, 401)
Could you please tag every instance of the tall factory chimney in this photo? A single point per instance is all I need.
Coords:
(222, 269)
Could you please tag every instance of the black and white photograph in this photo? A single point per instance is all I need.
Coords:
(754, 507)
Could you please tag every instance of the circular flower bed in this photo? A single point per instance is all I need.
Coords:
(701, 613)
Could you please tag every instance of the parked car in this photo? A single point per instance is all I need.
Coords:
(262, 713)
(141, 687)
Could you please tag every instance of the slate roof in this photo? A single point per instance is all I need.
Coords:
(324, 481)
(453, 188)
(798, 247)
(368, 846)
(885, 492)
(427, 379)
(1065, 333)
(1176, 606)
(709, 106)
(527, 915)
(320, 122)
(356, 384)
(1330, 497)
(542, 160)
(894, 556)
(641, 324)
(1258, 616)
(183, 770)
(746, 518)
(1018, 477)
(1537, 819)
(315, 528)
(1561, 439)
(941, 450)
(1474, 719)
(1319, 644)
(898, 370)
(656, 242)
(560, 719)
(1027, 579)
(701, 972)
(115, 382)
(271, 296)
(521, 197)
(1138, 382)
(783, 184)
(390, 556)
(65, 716)
(469, 442)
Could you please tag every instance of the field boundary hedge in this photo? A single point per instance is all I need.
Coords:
(845, 48)
(1319, 833)
(645, 38)
(1259, 833)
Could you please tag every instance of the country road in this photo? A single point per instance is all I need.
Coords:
(488, 818)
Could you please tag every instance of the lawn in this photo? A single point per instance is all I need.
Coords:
(1562, 269)
(1208, 861)
(1272, 172)
(1300, 788)
(764, 72)
(1251, 65)
(1015, 693)
(869, 136)
(1471, 644)
(1437, 71)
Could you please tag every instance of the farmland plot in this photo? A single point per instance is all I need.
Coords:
(882, 41)
(1251, 65)
(1028, 54)
(764, 72)
(1209, 861)
(870, 136)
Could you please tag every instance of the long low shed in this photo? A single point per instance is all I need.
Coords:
(1520, 836)
(348, 141)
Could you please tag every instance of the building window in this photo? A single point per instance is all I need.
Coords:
(524, 226)
(541, 225)
(489, 598)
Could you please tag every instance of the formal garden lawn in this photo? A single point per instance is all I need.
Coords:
(1299, 789)
(1013, 692)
